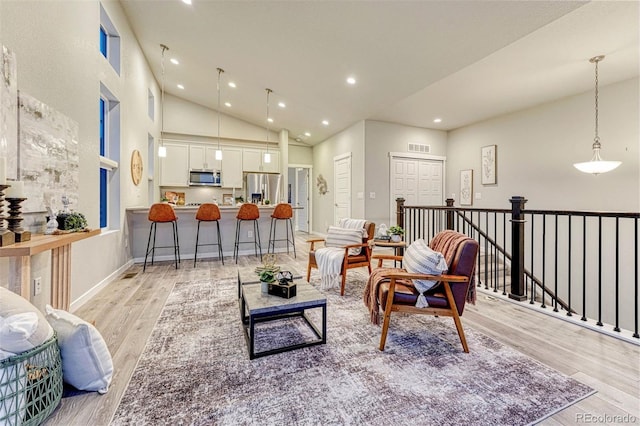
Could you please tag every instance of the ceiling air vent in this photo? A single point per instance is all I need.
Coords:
(421, 148)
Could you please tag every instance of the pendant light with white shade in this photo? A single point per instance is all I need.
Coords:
(596, 165)
(267, 155)
(162, 150)
(219, 151)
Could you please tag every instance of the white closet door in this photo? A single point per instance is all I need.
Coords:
(430, 191)
(404, 183)
(419, 181)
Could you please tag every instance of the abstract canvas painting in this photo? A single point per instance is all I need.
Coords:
(49, 155)
(9, 111)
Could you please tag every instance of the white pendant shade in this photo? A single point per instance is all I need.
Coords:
(597, 165)
(267, 157)
(218, 154)
(162, 151)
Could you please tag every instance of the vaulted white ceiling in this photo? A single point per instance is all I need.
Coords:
(461, 61)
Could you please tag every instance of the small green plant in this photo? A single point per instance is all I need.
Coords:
(267, 276)
(395, 230)
(267, 202)
(240, 199)
(72, 220)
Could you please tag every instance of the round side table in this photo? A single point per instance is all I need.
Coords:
(396, 246)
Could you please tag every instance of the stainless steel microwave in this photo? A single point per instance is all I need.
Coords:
(203, 177)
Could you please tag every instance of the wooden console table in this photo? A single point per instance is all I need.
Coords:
(20, 264)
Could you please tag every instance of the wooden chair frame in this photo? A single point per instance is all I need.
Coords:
(366, 250)
(451, 311)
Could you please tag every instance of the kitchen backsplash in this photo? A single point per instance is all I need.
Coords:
(199, 195)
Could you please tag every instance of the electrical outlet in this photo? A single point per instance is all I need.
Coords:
(37, 286)
(250, 234)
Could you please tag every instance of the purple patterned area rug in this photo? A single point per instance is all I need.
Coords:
(195, 370)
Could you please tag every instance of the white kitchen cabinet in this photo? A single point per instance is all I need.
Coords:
(203, 157)
(231, 169)
(174, 168)
(252, 160)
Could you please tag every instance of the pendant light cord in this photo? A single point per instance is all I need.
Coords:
(220, 71)
(164, 47)
(268, 130)
(597, 138)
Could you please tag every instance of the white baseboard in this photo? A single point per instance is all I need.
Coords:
(102, 284)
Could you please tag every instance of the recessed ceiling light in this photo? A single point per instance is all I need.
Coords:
(307, 134)
(227, 104)
(297, 139)
(325, 122)
(270, 120)
(437, 120)
(351, 80)
(186, 2)
(282, 104)
(180, 86)
(175, 61)
(232, 84)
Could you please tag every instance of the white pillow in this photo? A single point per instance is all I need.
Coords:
(419, 258)
(340, 237)
(22, 325)
(86, 361)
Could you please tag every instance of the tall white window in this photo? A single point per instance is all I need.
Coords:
(109, 159)
(109, 40)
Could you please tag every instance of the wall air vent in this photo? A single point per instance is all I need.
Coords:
(421, 148)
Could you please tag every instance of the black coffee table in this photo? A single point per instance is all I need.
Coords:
(256, 307)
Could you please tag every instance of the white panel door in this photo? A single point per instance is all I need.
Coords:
(342, 184)
(404, 183)
(430, 191)
(302, 199)
(418, 181)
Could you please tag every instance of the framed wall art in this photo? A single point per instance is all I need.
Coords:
(466, 187)
(489, 164)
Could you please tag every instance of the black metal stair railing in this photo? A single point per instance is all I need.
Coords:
(582, 263)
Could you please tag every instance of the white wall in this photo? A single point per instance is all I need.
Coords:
(59, 63)
(536, 149)
(380, 139)
(350, 140)
(188, 118)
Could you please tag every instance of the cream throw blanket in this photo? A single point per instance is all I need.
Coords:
(330, 258)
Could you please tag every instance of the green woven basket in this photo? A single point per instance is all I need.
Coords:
(31, 385)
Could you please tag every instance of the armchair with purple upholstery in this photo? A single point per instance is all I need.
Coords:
(397, 294)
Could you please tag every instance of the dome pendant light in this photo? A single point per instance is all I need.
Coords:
(267, 156)
(162, 150)
(219, 151)
(596, 165)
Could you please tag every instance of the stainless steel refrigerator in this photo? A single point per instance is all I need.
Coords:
(264, 186)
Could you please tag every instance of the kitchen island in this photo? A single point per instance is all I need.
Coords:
(137, 231)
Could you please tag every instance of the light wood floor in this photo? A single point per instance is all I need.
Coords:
(125, 313)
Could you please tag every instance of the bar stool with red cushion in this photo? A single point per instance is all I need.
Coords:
(162, 213)
(248, 212)
(208, 212)
(282, 211)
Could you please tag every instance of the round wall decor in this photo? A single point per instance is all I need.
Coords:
(136, 166)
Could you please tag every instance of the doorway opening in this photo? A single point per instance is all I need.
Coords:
(299, 196)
